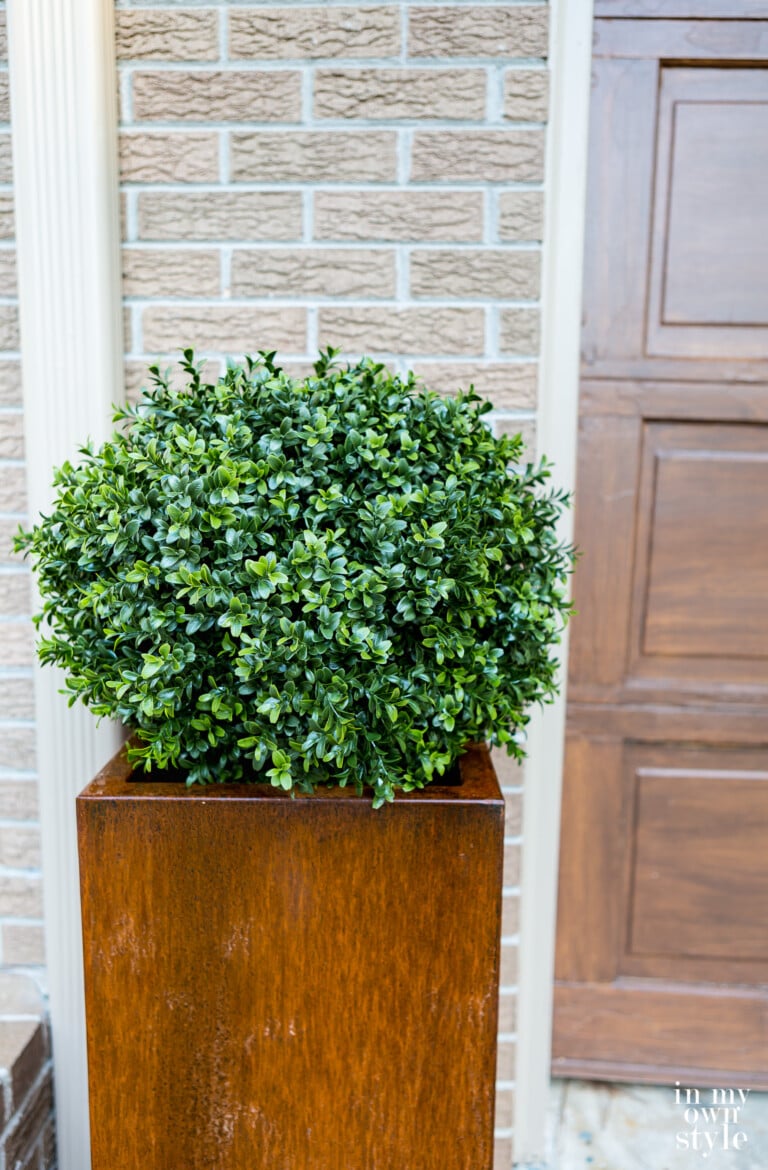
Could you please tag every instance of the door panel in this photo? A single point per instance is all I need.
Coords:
(662, 947)
(688, 806)
(708, 293)
(685, 40)
(624, 1029)
(701, 569)
(690, 9)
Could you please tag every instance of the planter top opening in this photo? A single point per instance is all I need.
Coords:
(471, 779)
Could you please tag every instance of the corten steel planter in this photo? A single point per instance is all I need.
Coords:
(291, 984)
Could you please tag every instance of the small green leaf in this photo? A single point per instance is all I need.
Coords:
(343, 577)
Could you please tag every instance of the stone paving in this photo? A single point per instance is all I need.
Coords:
(595, 1126)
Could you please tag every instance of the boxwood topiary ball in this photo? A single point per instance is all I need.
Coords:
(344, 578)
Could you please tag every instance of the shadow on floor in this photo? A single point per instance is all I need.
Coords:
(595, 1126)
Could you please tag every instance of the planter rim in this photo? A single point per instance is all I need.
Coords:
(479, 784)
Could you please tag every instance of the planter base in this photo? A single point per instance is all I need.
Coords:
(291, 984)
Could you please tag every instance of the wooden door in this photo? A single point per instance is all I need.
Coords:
(662, 949)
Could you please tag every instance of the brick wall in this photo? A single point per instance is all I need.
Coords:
(27, 1128)
(367, 175)
(21, 932)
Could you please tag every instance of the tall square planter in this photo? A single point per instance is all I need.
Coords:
(291, 984)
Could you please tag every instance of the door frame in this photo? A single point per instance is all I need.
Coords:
(570, 60)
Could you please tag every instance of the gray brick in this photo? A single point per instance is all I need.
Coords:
(17, 642)
(284, 33)
(510, 385)
(9, 327)
(488, 156)
(520, 331)
(505, 1110)
(507, 1013)
(507, 1051)
(526, 94)
(508, 978)
(457, 94)
(503, 1153)
(17, 700)
(220, 215)
(17, 746)
(10, 382)
(521, 215)
(19, 848)
(232, 95)
(13, 489)
(7, 223)
(399, 216)
(185, 156)
(171, 272)
(24, 945)
(15, 599)
(312, 156)
(512, 855)
(510, 915)
(6, 159)
(21, 897)
(403, 330)
(155, 35)
(7, 272)
(313, 272)
(11, 438)
(229, 329)
(491, 274)
(20, 996)
(127, 327)
(477, 30)
(18, 800)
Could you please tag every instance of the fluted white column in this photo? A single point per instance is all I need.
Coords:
(64, 120)
(570, 63)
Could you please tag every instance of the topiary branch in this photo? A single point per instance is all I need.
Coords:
(340, 579)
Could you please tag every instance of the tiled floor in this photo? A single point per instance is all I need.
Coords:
(642, 1127)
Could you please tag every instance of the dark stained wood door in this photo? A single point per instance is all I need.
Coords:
(662, 948)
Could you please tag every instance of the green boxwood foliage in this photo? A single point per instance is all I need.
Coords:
(345, 578)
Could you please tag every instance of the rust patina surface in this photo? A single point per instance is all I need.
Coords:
(291, 984)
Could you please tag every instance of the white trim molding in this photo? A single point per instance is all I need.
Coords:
(566, 171)
(64, 123)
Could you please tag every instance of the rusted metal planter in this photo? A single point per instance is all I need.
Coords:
(291, 984)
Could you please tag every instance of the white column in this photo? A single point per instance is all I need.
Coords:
(557, 424)
(64, 120)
